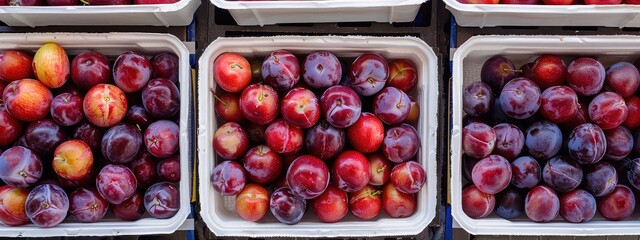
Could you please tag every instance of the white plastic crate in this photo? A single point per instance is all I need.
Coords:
(292, 11)
(490, 15)
(218, 212)
(175, 14)
(467, 63)
(112, 45)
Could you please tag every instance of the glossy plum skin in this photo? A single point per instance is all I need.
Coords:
(144, 167)
(600, 179)
(232, 72)
(509, 140)
(44, 136)
(228, 178)
(331, 206)
(402, 75)
(283, 137)
(20, 167)
(66, 109)
(321, 69)
(491, 174)
(11, 129)
(301, 108)
(139, 116)
(105, 105)
(397, 204)
(252, 203)
(623, 78)
(230, 141)
(116, 183)
(308, 176)
(379, 168)
(633, 117)
(478, 140)
(562, 174)
(392, 105)
(467, 166)
(367, 134)
(169, 168)
(617, 205)
(526, 172)
(166, 65)
(368, 74)
(131, 209)
(287, 207)
(477, 204)
(401, 143)
(324, 140)
(620, 143)
(259, 103)
(582, 116)
(587, 143)
(281, 70)
(350, 171)
(27, 99)
(477, 99)
(542, 204)
(586, 76)
(47, 205)
(366, 203)
(263, 165)
(162, 138)
(510, 203)
(608, 110)
(161, 98)
(577, 206)
(73, 160)
(341, 106)
(559, 104)
(90, 134)
(497, 71)
(162, 200)
(15, 65)
(12, 211)
(51, 65)
(408, 177)
(121, 143)
(543, 139)
(89, 69)
(131, 72)
(548, 70)
(86, 205)
(520, 98)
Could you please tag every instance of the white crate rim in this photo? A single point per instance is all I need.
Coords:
(170, 7)
(226, 4)
(302, 229)
(539, 44)
(541, 8)
(112, 228)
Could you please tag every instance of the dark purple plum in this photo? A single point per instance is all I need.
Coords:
(47, 205)
(44, 136)
(90, 134)
(321, 69)
(161, 98)
(324, 140)
(543, 139)
(617, 205)
(520, 98)
(121, 143)
(20, 167)
(392, 105)
(586, 76)
(477, 99)
(138, 116)
(143, 167)
(496, 115)
(620, 143)
(166, 65)
(228, 178)
(541, 204)
(400, 143)
(492, 174)
(600, 179)
(368, 74)
(66, 109)
(162, 138)
(608, 110)
(526, 172)
(623, 78)
(526, 71)
(162, 200)
(497, 71)
(467, 166)
(169, 168)
(116, 183)
(510, 203)
(86, 205)
(286, 206)
(587, 144)
(281, 70)
(341, 106)
(131, 209)
(633, 172)
(562, 174)
(577, 206)
(478, 140)
(509, 140)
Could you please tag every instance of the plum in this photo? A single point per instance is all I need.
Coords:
(497, 71)
(263, 165)
(477, 99)
(559, 104)
(577, 206)
(586, 76)
(308, 176)
(526, 172)
(131, 71)
(509, 140)
(228, 178)
(161, 98)
(587, 143)
(350, 171)
(116, 183)
(510, 203)
(169, 168)
(20, 167)
(121, 143)
(162, 138)
(608, 110)
(562, 174)
(341, 106)
(617, 205)
(491, 174)
(477, 204)
(520, 98)
(600, 179)
(623, 78)
(44, 136)
(401, 143)
(321, 69)
(366, 203)
(287, 207)
(408, 177)
(478, 140)
(324, 140)
(620, 143)
(368, 74)
(281, 70)
(331, 206)
(131, 209)
(86, 205)
(47, 205)
(543, 139)
(162, 200)
(542, 204)
(397, 204)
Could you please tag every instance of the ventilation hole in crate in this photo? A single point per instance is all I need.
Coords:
(223, 17)
(354, 24)
(580, 29)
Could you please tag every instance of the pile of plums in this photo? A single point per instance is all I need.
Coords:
(284, 143)
(106, 139)
(551, 139)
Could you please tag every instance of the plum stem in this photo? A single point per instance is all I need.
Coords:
(379, 170)
(506, 69)
(85, 2)
(235, 65)
(376, 193)
(218, 98)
